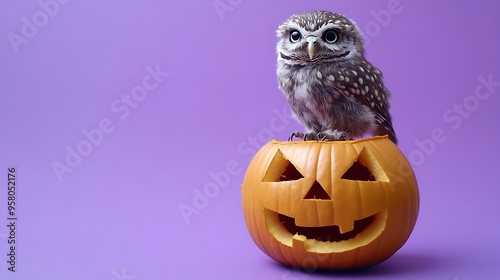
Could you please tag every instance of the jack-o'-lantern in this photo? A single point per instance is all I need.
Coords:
(330, 205)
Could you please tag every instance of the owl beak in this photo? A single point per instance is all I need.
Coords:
(311, 45)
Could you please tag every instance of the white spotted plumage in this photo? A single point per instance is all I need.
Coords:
(326, 79)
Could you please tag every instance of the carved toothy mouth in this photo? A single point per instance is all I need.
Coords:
(325, 239)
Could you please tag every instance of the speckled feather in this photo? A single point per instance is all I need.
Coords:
(337, 89)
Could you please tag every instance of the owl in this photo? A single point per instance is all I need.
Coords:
(332, 89)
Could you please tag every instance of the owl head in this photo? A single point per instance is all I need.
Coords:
(317, 37)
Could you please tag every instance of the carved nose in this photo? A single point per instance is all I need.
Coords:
(317, 192)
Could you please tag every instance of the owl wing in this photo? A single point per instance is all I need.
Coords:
(364, 83)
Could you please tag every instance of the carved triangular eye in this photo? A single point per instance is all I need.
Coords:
(358, 172)
(365, 168)
(281, 169)
(317, 192)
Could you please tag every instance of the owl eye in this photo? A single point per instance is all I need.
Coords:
(295, 36)
(330, 36)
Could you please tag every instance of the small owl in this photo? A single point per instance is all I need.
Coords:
(332, 89)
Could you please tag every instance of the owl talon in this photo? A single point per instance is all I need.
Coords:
(303, 136)
(335, 136)
(341, 136)
(296, 134)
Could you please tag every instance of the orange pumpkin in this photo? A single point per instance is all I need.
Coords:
(330, 205)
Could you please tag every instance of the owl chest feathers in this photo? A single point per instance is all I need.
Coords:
(320, 103)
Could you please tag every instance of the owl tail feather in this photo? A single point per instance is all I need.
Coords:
(385, 130)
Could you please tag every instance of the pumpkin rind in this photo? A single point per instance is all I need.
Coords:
(388, 201)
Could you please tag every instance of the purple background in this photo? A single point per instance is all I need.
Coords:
(116, 215)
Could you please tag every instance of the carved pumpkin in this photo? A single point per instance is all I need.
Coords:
(331, 205)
